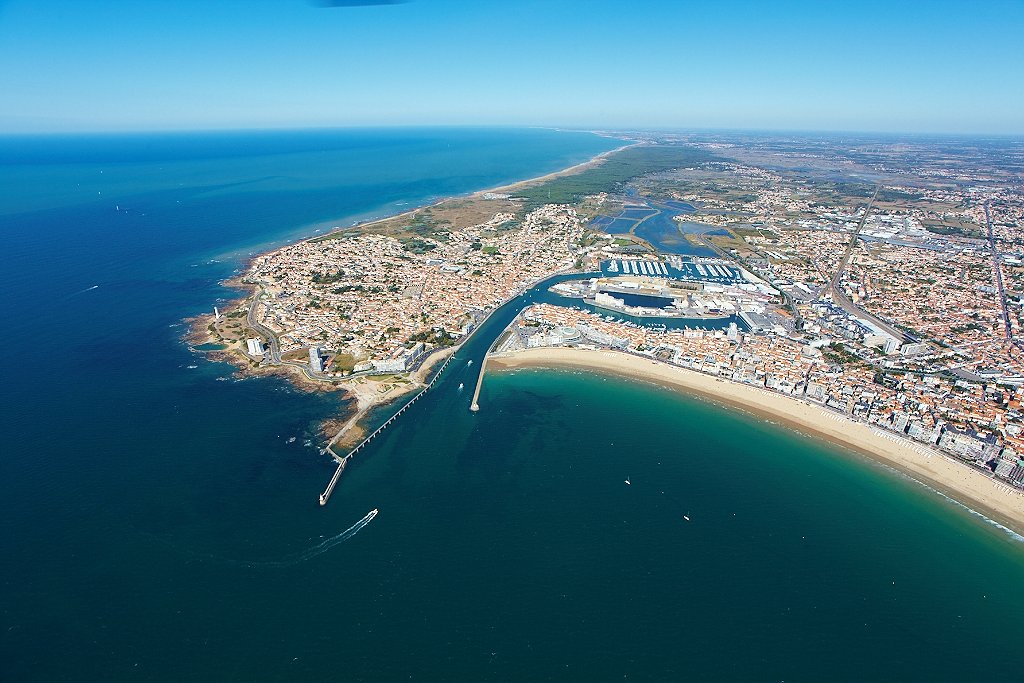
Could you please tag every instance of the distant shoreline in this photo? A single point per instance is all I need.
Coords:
(571, 170)
(958, 481)
(500, 189)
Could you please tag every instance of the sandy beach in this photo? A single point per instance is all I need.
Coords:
(589, 163)
(986, 495)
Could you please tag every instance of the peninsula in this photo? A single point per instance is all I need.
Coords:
(370, 309)
(882, 315)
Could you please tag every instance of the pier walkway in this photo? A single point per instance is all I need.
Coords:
(362, 444)
(474, 405)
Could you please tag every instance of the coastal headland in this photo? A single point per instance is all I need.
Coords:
(780, 312)
(370, 309)
(978, 491)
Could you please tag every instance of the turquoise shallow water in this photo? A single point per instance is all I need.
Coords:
(159, 524)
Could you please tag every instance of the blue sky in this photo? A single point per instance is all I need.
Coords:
(935, 66)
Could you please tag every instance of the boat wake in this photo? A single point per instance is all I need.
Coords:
(83, 291)
(320, 549)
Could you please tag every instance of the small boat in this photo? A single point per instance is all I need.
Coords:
(627, 481)
(461, 386)
(469, 363)
(686, 517)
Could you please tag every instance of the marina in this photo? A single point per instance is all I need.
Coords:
(677, 267)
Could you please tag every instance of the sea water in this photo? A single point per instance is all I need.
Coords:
(160, 517)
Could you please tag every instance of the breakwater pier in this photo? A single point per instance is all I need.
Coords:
(325, 496)
(474, 405)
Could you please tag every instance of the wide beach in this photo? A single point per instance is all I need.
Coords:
(959, 481)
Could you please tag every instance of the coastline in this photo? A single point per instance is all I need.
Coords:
(476, 194)
(571, 170)
(347, 428)
(958, 481)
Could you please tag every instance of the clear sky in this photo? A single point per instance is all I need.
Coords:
(932, 66)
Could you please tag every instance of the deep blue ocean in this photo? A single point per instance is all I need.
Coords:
(160, 522)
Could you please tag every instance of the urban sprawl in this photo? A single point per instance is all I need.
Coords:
(892, 297)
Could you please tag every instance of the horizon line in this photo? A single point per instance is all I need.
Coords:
(596, 130)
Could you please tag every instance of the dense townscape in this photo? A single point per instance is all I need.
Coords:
(885, 285)
(373, 297)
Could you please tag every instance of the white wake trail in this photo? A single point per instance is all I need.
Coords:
(319, 549)
(83, 291)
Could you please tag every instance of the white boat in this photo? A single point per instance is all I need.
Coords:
(461, 386)
(627, 481)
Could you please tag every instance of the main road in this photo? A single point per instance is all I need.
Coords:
(275, 346)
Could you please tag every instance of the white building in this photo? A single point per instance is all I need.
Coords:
(390, 365)
(255, 347)
(316, 362)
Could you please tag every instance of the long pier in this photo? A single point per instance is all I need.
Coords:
(475, 406)
(344, 461)
(334, 481)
